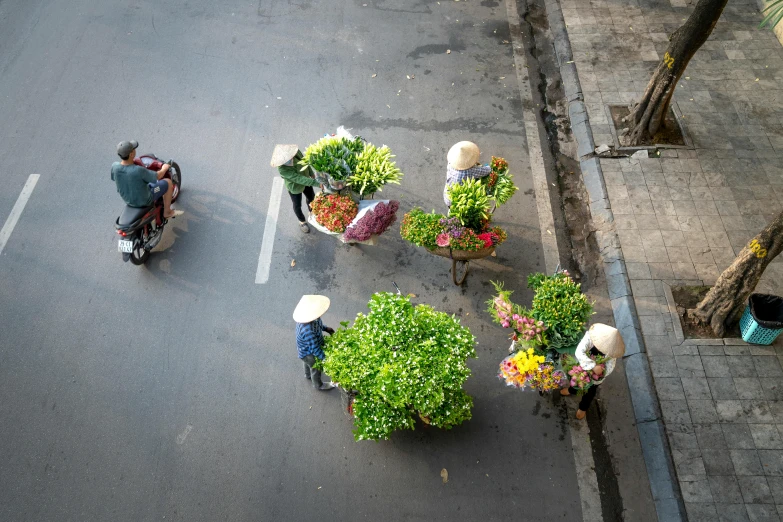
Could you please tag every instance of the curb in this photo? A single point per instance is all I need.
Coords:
(652, 436)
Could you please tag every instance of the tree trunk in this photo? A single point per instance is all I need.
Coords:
(647, 116)
(726, 300)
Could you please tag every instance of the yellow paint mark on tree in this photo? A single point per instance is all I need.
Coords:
(757, 249)
(668, 60)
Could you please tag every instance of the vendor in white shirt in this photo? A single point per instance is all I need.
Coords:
(600, 339)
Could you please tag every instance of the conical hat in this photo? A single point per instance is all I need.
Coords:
(607, 340)
(463, 155)
(310, 308)
(282, 154)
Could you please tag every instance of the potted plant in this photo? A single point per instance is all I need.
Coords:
(401, 361)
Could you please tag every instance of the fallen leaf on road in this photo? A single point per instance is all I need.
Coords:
(374, 75)
(389, 106)
(448, 51)
(502, 77)
(506, 41)
(444, 474)
(549, 232)
(319, 487)
(293, 262)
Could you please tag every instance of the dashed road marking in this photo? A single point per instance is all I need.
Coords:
(13, 217)
(268, 242)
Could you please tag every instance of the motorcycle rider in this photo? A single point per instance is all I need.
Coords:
(140, 187)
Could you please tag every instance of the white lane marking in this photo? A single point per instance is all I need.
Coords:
(584, 463)
(184, 435)
(13, 217)
(530, 117)
(268, 243)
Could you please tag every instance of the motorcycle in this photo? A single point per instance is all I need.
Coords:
(141, 229)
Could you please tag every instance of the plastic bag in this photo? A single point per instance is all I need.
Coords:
(767, 310)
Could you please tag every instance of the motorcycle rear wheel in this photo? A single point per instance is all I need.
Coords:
(140, 255)
(176, 179)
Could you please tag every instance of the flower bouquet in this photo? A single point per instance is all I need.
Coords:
(526, 369)
(580, 378)
(375, 221)
(333, 211)
(499, 184)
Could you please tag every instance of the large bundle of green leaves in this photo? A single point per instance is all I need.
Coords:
(364, 166)
(334, 156)
(470, 204)
(402, 360)
(374, 169)
(561, 305)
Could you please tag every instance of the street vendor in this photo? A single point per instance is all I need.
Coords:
(463, 164)
(310, 336)
(286, 158)
(601, 340)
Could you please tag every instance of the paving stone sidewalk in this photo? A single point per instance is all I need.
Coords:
(682, 218)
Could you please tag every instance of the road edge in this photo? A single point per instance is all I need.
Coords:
(649, 423)
(579, 432)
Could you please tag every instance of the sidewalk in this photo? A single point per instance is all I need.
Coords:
(681, 219)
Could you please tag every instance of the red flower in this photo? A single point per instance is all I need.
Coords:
(486, 237)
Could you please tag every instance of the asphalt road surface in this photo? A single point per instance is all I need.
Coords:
(173, 391)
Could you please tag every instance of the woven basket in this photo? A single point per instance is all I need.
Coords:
(462, 255)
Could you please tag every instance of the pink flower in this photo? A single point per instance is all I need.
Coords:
(442, 240)
(505, 324)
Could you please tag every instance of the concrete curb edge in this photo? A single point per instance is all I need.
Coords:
(652, 436)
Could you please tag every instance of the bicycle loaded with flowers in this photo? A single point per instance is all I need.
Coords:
(350, 170)
(544, 337)
(467, 231)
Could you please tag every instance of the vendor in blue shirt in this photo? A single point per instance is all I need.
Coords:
(310, 337)
(462, 165)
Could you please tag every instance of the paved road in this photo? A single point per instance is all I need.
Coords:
(173, 391)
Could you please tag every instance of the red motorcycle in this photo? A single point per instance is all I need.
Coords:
(140, 229)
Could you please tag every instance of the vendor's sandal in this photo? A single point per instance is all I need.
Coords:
(326, 387)
(304, 228)
(564, 392)
(580, 414)
(176, 213)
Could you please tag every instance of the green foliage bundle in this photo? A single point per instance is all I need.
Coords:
(499, 183)
(420, 228)
(470, 204)
(335, 156)
(561, 305)
(402, 361)
(374, 169)
(504, 188)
